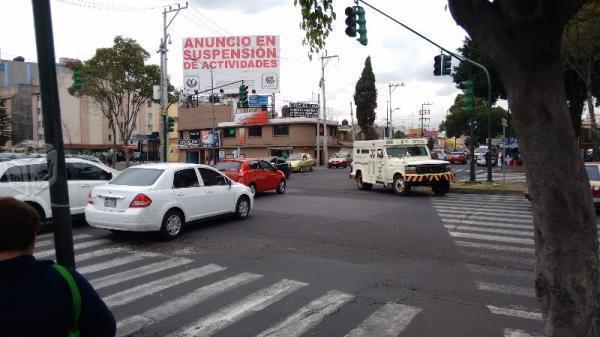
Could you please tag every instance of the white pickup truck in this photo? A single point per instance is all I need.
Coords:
(399, 164)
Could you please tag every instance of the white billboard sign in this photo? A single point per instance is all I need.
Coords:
(253, 59)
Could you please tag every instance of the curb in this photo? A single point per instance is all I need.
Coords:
(483, 191)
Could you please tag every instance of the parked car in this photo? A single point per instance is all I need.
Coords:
(257, 174)
(481, 156)
(439, 154)
(593, 172)
(457, 157)
(338, 160)
(163, 197)
(280, 164)
(27, 180)
(301, 162)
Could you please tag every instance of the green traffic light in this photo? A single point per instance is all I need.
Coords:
(468, 99)
(362, 26)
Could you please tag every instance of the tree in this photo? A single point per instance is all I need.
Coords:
(5, 123)
(119, 82)
(522, 39)
(466, 71)
(365, 98)
(456, 123)
(581, 54)
(400, 134)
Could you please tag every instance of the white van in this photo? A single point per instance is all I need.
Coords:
(399, 164)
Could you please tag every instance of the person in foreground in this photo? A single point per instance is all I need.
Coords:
(36, 298)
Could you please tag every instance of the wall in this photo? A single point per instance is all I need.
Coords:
(201, 117)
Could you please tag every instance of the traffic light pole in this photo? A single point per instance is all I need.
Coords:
(462, 58)
(57, 180)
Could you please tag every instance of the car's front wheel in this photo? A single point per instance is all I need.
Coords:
(172, 225)
(362, 185)
(400, 186)
(441, 188)
(280, 187)
(242, 208)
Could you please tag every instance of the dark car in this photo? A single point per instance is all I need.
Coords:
(280, 164)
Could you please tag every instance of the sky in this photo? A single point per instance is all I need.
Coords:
(398, 56)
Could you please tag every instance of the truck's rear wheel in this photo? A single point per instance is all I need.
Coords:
(440, 188)
(362, 185)
(400, 186)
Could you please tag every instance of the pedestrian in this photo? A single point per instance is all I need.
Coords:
(37, 296)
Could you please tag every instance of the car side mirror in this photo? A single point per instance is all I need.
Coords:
(110, 175)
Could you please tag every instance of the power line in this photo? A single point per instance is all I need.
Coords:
(209, 20)
(105, 6)
(201, 25)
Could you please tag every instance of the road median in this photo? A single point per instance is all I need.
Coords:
(485, 187)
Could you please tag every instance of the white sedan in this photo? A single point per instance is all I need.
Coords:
(163, 197)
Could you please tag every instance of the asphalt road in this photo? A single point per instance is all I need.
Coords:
(325, 259)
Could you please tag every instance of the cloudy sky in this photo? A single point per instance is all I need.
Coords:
(81, 26)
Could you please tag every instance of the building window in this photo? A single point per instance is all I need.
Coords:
(195, 134)
(229, 133)
(281, 130)
(149, 103)
(109, 138)
(149, 127)
(255, 131)
(149, 116)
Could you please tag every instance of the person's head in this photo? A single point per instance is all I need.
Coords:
(19, 226)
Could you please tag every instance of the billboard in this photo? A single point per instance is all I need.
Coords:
(308, 110)
(253, 59)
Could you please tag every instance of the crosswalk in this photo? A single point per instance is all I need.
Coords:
(495, 236)
(147, 292)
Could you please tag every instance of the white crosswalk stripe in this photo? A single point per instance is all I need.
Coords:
(113, 263)
(83, 245)
(131, 274)
(50, 241)
(389, 321)
(308, 316)
(209, 325)
(137, 292)
(498, 229)
(519, 333)
(135, 323)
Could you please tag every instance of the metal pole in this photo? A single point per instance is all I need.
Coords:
(352, 119)
(163, 88)
(55, 154)
(489, 115)
(319, 134)
(325, 149)
(472, 146)
(212, 103)
(390, 123)
(387, 120)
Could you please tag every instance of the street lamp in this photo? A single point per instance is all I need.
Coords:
(391, 87)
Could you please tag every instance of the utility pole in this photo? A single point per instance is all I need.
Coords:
(212, 104)
(352, 120)
(55, 153)
(164, 100)
(422, 119)
(319, 134)
(391, 87)
(323, 63)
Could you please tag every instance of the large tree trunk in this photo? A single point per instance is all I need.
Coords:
(114, 151)
(522, 38)
(594, 130)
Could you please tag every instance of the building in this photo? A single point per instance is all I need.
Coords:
(84, 126)
(254, 133)
(173, 137)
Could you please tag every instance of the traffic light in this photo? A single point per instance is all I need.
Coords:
(350, 21)
(446, 64)
(77, 78)
(243, 96)
(170, 124)
(437, 65)
(362, 25)
(468, 97)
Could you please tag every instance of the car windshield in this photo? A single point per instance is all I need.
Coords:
(593, 172)
(481, 150)
(228, 166)
(137, 177)
(295, 156)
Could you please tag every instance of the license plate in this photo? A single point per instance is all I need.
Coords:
(110, 202)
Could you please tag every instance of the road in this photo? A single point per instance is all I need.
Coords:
(325, 259)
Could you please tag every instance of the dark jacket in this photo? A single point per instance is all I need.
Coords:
(36, 301)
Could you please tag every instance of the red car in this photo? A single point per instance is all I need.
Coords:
(457, 157)
(257, 174)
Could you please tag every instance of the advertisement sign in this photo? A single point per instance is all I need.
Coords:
(257, 100)
(251, 118)
(188, 143)
(253, 59)
(308, 110)
(208, 140)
